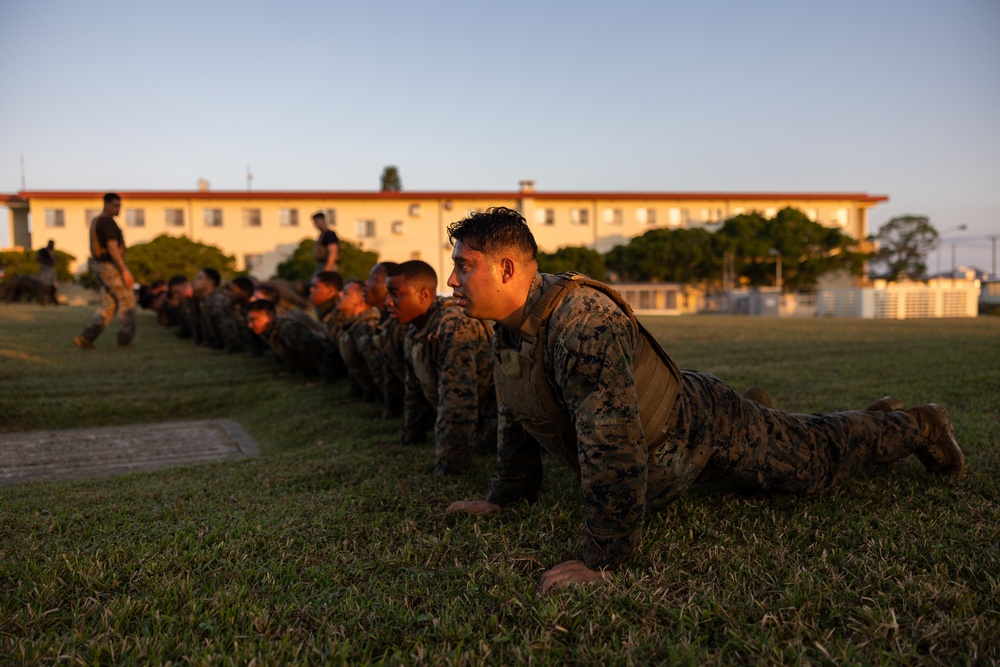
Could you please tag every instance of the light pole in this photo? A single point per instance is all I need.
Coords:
(956, 228)
(774, 252)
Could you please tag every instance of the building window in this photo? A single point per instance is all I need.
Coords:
(288, 217)
(252, 261)
(331, 217)
(612, 216)
(92, 214)
(213, 217)
(770, 212)
(711, 215)
(251, 217)
(580, 216)
(365, 229)
(54, 217)
(414, 210)
(646, 216)
(174, 217)
(678, 217)
(397, 227)
(135, 217)
(545, 216)
(840, 217)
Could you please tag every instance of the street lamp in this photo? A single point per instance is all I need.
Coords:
(774, 252)
(956, 228)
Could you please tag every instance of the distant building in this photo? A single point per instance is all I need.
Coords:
(261, 229)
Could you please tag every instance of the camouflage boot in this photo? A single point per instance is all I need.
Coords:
(938, 450)
(885, 404)
(759, 396)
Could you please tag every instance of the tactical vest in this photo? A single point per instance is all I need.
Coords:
(344, 342)
(388, 340)
(422, 348)
(98, 251)
(520, 376)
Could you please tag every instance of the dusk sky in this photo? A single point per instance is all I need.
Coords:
(891, 97)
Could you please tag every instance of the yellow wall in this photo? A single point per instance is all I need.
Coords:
(407, 226)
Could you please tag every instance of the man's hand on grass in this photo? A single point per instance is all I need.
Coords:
(569, 573)
(472, 507)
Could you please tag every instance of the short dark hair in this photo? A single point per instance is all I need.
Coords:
(110, 197)
(212, 275)
(383, 268)
(245, 283)
(330, 279)
(494, 230)
(272, 292)
(177, 280)
(417, 272)
(319, 215)
(262, 305)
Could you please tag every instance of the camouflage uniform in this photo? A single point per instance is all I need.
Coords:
(710, 432)
(362, 381)
(449, 377)
(219, 322)
(115, 297)
(385, 353)
(296, 345)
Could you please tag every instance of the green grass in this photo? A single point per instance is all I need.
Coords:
(331, 549)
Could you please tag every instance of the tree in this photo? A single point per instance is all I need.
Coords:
(904, 243)
(300, 265)
(391, 181)
(25, 263)
(166, 256)
(671, 255)
(585, 260)
(805, 248)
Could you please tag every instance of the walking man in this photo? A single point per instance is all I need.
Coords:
(107, 251)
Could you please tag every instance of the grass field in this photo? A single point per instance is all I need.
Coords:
(333, 548)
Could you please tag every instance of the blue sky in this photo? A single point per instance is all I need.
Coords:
(895, 97)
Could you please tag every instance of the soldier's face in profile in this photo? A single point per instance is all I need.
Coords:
(375, 292)
(321, 293)
(351, 298)
(406, 301)
(257, 321)
(476, 281)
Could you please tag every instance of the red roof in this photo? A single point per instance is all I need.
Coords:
(453, 194)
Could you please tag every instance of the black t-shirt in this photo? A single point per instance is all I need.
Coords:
(105, 229)
(329, 237)
(45, 257)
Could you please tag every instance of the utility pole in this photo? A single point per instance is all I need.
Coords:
(994, 238)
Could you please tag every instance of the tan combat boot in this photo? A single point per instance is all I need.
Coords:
(759, 396)
(938, 450)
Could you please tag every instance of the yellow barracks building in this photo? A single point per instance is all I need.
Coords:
(261, 229)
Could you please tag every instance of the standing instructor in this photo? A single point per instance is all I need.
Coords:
(107, 252)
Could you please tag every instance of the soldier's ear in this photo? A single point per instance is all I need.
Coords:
(507, 269)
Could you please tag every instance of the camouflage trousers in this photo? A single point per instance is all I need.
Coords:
(760, 448)
(115, 298)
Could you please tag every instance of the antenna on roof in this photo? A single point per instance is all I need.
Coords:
(249, 179)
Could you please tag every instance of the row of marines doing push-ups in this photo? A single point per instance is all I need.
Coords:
(521, 361)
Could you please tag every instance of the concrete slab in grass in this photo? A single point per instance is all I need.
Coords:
(118, 450)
